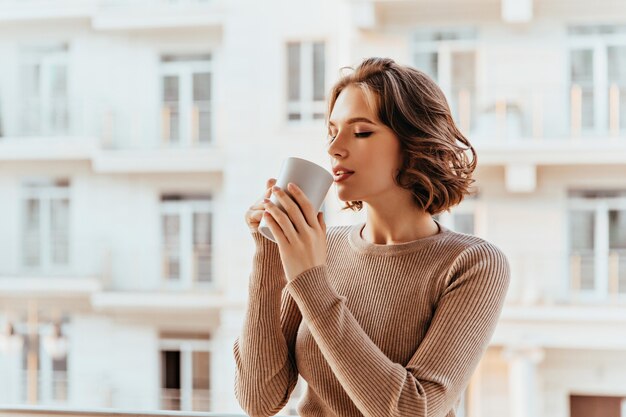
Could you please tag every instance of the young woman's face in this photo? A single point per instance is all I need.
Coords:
(359, 142)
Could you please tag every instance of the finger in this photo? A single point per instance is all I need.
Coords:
(293, 211)
(320, 218)
(277, 232)
(282, 220)
(269, 185)
(303, 201)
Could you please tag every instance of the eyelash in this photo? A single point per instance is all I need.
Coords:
(357, 134)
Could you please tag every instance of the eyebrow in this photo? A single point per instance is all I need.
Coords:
(355, 120)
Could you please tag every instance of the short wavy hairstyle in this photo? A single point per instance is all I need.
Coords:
(435, 168)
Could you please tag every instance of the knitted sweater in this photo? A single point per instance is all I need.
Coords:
(379, 330)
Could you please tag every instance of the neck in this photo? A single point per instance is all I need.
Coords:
(397, 229)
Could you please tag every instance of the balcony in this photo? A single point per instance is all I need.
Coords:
(576, 278)
(533, 114)
(18, 10)
(35, 411)
(119, 14)
(113, 139)
(176, 399)
(51, 286)
(565, 301)
(95, 284)
(378, 13)
(158, 14)
(412, 12)
(522, 127)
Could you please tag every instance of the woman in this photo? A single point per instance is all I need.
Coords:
(385, 318)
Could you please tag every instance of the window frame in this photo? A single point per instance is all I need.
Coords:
(186, 347)
(601, 250)
(306, 106)
(599, 44)
(45, 191)
(45, 57)
(467, 41)
(184, 70)
(186, 208)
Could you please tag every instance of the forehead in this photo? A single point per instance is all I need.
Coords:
(351, 102)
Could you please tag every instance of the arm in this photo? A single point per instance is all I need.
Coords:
(433, 379)
(266, 372)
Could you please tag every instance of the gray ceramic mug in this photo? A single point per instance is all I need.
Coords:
(312, 179)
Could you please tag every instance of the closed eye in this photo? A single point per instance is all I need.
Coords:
(357, 134)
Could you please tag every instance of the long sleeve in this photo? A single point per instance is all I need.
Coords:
(266, 372)
(431, 382)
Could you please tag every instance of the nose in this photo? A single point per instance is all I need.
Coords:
(336, 148)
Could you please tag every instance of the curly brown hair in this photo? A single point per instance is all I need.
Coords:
(434, 167)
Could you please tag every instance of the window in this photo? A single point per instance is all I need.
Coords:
(186, 100)
(597, 79)
(185, 372)
(306, 80)
(617, 251)
(45, 225)
(597, 243)
(44, 90)
(464, 218)
(449, 58)
(186, 228)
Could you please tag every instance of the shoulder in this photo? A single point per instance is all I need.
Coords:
(475, 254)
(464, 245)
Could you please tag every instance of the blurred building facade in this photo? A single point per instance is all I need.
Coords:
(134, 135)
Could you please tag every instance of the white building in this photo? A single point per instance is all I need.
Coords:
(134, 134)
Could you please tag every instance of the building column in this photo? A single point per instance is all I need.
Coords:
(524, 393)
(474, 393)
(223, 363)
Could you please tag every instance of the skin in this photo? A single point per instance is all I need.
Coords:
(392, 216)
(300, 232)
(371, 150)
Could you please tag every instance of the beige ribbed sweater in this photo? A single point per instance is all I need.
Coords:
(380, 330)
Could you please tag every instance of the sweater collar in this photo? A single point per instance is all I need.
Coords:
(362, 245)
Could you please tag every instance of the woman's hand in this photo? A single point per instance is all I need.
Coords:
(255, 212)
(300, 233)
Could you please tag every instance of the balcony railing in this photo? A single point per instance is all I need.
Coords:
(168, 3)
(59, 116)
(112, 127)
(106, 3)
(584, 270)
(32, 411)
(51, 389)
(524, 112)
(176, 399)
(493, 113)
(568, 278)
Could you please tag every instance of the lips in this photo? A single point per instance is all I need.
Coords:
(341, 177)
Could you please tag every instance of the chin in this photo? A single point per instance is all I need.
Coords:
(345, 195)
